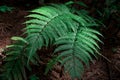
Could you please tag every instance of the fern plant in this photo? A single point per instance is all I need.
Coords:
(72, 34)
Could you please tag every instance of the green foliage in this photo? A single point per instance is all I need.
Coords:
(75, 50)
(111, 10)
(15, 61)
(34, 77)
(78, 2)
(71, 33)
(5, 8)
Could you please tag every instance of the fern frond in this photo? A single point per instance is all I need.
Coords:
(76, 49)
(55, 21)
(76, 41)
(15, 61)
(48, 23)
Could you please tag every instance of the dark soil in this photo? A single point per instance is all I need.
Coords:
(101, 69)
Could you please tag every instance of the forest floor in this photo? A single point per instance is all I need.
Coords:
(101, 69)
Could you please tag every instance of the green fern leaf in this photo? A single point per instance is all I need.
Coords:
(47, 24)
(16, 60)
(75, 49)
(71, 33)
(14, 64)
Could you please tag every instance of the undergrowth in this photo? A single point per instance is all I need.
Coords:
(72, 32)
(5, 8)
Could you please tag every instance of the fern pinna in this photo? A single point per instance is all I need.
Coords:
(71, 33)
